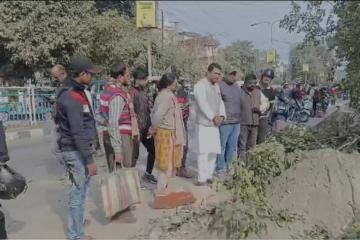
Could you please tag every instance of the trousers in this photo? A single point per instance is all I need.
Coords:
(229, 134)
(186, 147)
(127, 147)
(79, 176)
(149, 144)
(206, 165)
(262, 129)
(248, 136)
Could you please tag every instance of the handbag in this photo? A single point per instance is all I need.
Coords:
(120, 190)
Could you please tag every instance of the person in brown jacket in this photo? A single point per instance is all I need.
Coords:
(251, 107)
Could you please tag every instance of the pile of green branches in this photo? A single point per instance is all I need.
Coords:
(245, 214)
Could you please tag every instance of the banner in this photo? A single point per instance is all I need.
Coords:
(271, 56)
(306, 68)
(146, 14)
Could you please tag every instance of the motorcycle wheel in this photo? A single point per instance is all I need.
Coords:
(303, 117)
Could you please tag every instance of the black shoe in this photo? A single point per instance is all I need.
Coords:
(209, 181)
(149, 178)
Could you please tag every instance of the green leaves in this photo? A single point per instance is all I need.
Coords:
(335, 23)
(243, 56)
(36, 35)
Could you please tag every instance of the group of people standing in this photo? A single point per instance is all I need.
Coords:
(231, 119)
(227, 117)
(127, 119)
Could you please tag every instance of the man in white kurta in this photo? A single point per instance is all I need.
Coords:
(210, 113)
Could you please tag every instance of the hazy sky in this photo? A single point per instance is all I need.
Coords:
(231, 20)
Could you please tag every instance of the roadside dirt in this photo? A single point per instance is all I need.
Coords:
(324, 189)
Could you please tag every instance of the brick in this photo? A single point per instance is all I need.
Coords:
(167, 199)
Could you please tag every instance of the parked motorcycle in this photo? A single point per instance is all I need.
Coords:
(297, 113)
(345, 96)
(308, 105)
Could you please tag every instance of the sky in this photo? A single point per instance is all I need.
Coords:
(231, 20)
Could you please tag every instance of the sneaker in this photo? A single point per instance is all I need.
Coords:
(221, 175)
(201, 183)
(184, 173)
(209, 181)
(149, 178)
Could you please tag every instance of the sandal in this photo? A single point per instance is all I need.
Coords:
(86, 222)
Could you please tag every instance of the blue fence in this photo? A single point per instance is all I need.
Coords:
(23, 109)
(17, 110)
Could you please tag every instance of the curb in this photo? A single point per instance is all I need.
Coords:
(31, 133)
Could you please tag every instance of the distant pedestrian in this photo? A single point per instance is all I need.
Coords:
(230, 129)
(251, 109)
(210, 114)
(183, 99)
(268, 96)
(77, 129)
(59, 73)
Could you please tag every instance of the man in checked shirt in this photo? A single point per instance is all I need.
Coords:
(116, 109)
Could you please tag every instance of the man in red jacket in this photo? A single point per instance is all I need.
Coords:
(183, 99)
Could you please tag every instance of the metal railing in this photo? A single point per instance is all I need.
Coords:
(25, 106)
(22, 107)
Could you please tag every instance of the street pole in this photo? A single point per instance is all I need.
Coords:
(149, 51)
(271, 29)
(162, 29)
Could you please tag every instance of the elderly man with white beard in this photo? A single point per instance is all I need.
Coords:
(210, 114)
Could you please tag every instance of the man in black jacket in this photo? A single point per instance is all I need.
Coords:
(142, 110)
(264, 85)
(77, 129)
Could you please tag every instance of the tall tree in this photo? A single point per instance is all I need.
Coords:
(124, 8)
(42, 33)
(242, 55)
(341, 32)
(319, 58)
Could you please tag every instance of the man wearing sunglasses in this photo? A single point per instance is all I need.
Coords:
(77, 130)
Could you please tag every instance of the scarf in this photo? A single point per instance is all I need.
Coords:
(179, 123)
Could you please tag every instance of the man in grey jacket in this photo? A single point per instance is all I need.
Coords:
(230, 129)
(253, 104)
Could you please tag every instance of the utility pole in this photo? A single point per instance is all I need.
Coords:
(212, 48)
(162, 28)
(149, 51)
(271, 29)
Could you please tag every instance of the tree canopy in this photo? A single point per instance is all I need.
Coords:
(335, 23)
(320, 59)
(34, 35)
(244, 57)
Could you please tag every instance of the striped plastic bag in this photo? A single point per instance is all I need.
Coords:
(120, 189)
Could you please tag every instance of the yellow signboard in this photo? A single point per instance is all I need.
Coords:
(146, 16)
(306, 68)
(271, 56)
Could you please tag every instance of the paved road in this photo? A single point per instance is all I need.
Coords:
(41, 212)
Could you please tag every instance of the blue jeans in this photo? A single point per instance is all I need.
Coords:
(78, 174)
(229, 134)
